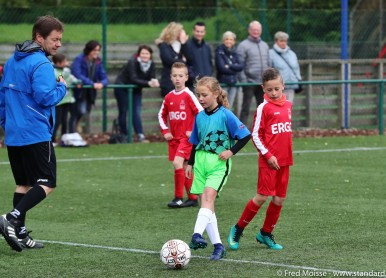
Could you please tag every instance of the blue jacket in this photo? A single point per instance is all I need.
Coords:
(28, 95)
(228, 64)
(79, 69)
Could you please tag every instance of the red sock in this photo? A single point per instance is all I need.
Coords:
(271, 218)
(179, 180)
(188, 185)
(249, 212)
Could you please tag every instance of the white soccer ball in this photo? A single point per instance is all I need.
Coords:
(175, 254)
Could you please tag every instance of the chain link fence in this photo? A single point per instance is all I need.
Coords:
(314, 34)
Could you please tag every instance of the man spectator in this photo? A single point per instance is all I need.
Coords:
(198, 55)
(254, 53)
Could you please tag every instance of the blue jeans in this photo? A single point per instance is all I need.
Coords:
(122, 98)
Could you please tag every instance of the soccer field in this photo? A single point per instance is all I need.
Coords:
(108, 216)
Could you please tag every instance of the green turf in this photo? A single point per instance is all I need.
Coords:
(108, 216)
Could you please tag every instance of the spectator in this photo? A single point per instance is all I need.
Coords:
(64, 107)
(228, 64)
(254, 53)
(140, 71)
(286, 61)
(89, 69)
(169, 44)
(29, 92)
(198, 55)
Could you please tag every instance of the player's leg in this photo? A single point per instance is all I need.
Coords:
(265, 235)
(251, 208)
(217, 177)
(39, 163)
(179, 181)
(184, 150)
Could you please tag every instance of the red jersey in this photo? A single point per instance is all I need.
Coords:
(272, 133)
(177, 113)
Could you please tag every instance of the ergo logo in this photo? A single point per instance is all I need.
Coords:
(177, 115)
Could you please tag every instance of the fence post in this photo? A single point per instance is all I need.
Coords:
(129, 115)
(381, 107)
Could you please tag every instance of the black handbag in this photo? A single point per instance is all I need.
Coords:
(300, 87)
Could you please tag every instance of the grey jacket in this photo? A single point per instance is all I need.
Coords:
(255, 56)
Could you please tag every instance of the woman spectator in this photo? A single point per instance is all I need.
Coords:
(228, 64)
(89, 69)
(169, 44)
(286, 61)
(140, 71)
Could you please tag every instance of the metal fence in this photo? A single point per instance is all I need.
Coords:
(314, 34)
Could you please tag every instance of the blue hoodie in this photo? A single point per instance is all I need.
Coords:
(28, 95)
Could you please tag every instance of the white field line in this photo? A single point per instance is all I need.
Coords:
(286, 266)
(115, 158)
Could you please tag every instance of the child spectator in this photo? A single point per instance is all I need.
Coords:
(228, 64)
(272, 136)
(213, 135)
(63, 108)
(176, 118)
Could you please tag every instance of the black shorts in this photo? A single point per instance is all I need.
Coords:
(33, 164)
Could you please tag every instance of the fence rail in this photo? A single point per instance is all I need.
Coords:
(334, 107)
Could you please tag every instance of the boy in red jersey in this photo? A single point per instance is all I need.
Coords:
(176, 119)
(272, 136)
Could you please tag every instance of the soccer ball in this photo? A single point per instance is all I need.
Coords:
(175, 254)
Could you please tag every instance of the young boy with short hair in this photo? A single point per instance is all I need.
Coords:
(272, 136)
(176, 119)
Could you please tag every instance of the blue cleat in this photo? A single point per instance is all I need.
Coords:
(218, 253)
(197, 242)
(269, 241)
(234, 237)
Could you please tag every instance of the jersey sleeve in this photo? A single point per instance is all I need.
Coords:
(194, 136)
(236, 128)
(162, 118)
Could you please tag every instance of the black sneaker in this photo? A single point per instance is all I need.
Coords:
(29, 243)
(189, 203)
(175, 203)
(7, 229)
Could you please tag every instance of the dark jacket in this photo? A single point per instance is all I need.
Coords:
(228, 64)
(80, 69)
(168, 58)
(198, 58)
(131, 73)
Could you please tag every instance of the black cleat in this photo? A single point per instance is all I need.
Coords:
(29, 243)
(175, 203)
(189, 203)
(8, 230)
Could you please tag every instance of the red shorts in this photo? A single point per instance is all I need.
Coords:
(273, 182)
(180, 147)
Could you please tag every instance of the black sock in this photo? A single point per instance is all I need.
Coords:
(264, 233)
(33, 197)
(17, 197)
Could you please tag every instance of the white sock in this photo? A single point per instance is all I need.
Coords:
(212, 230)
(203, 217)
